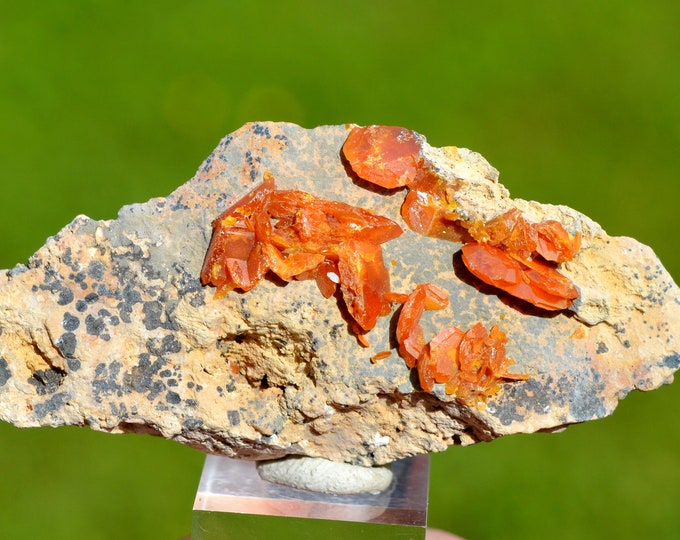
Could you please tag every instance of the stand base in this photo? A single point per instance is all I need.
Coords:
(232, 501)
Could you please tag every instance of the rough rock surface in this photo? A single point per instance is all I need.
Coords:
(109, 326)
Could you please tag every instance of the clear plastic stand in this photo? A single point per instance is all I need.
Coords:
(232, 501)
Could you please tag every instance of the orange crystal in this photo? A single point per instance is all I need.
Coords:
(527, 279)
(388, 156)
(471, 364)
(409, 332)
(429, 207)
(298, 236)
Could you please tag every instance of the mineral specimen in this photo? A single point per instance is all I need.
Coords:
(108, 324)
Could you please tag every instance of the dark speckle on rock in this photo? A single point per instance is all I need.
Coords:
(67, 257)
(105, 380)
(178, 205)
(172, 397)
(67, 344)
(70, 322)
(150, 271)
(155, 316)
(192, 423)
(65, 297)
(586, 401)
(46, 381)
(160, 347)
(234, 418)
(73, 364)
(96, 270)
(142, 377)
(5, 373)
(97, 327)
(672, 361)
(53, 283)
(52, 405)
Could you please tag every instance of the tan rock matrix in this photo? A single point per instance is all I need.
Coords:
(109, 326)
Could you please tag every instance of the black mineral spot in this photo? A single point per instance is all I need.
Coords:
(52, 405)
(5, 373)
(81, 305)
(168, 345)
(156, 317)
(142, 376)
(106, 380)
(172, 397)
(129, 296)
(73, 364)
(53, 284)
(172, 382)
(150, 271)
(65, 297)
(179, 204)
(189, 283)
(509, 412)
(96, 327)
(197, 300)
(263, 131)
(234, 418)
(602, 348)
(92, 298)
(135, 253)
(67, 257)
(190, 403)
(230, 387)
(67, 344)
(96, 270)
(70, 322)
(165, 373)
(16, 270)
(78, 277)
(672, 361)
(586, 402)
(46, 381)
(192, 423)
(190, 384)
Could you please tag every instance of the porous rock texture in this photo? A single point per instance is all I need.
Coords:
(109, 326)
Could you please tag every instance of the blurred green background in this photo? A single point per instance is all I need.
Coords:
(105, 103)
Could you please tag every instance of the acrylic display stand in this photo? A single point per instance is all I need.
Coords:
(232, 501)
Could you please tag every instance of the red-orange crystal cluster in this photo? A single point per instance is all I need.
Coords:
(298, 236)
(506, 252)
(295, 235)
(470, 364)
(519, 258)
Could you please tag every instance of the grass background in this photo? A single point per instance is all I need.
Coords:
(105, 103)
